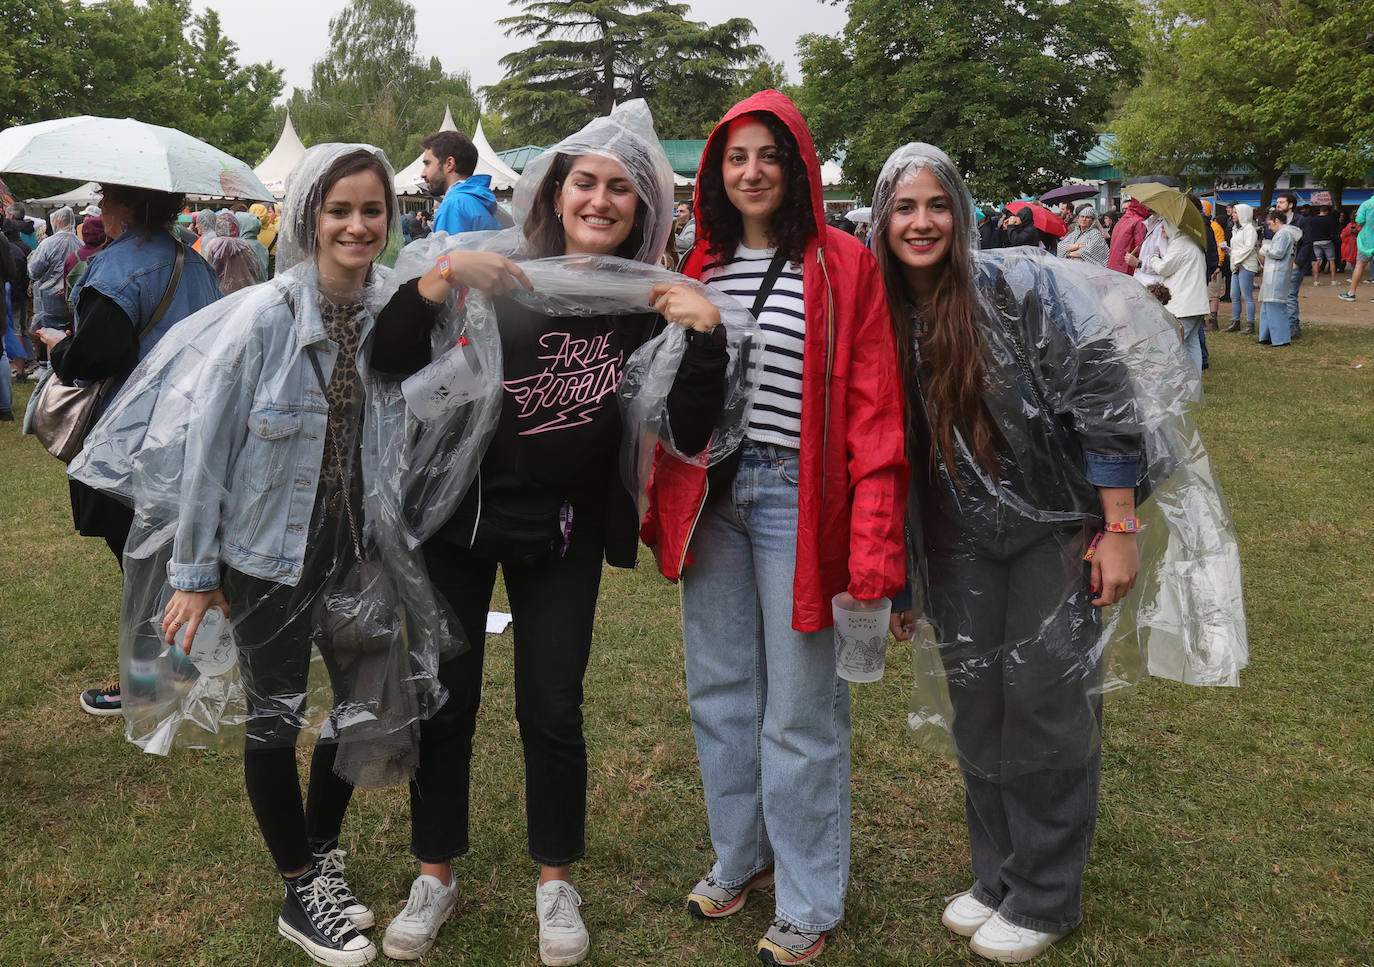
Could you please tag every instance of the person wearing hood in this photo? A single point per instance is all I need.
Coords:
(49, 280)
(1275, 328)
(267, 235)
(1085, 241)
(205, 227)
(250, 228)
(814, 508)
(1244, 255)
(19, 301)
(548, 507)
(1183, 268)
(1127, 238)
(1019, 226)
(468, 203)
(235, 262)
(92, 241)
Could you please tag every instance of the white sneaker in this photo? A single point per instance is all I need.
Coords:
(1003, 941)
(965, 914)
(563, 936)
(412, 933)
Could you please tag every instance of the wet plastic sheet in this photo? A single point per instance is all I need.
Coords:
(251, 469)
(1081, 362)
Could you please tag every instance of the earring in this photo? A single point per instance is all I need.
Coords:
(558, 215)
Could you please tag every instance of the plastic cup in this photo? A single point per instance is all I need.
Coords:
(860, 637)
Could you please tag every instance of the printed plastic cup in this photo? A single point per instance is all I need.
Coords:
(860, 637)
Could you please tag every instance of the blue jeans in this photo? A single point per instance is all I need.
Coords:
(1191, 341)
(6, 385)
(1243, 288)
(1274, 327)
(1294, 284)
(770, 716)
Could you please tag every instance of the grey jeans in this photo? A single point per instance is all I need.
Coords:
(1023, 675)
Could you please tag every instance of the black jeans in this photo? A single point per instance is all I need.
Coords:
(553, 605)
(272, 627)
(1023, 677)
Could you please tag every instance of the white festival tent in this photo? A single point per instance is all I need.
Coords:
(78, 197)
(279, 162)
(410, 182)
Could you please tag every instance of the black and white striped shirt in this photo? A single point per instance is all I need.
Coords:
(776, 415)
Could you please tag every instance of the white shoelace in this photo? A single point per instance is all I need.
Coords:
(323, 909)
(562, 912)
(422, 898)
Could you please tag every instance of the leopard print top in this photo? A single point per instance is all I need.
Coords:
(342, 444)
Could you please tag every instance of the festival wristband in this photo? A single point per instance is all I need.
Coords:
(446, 270)
(1127, 525)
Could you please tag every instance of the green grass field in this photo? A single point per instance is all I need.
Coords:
(1235, 825)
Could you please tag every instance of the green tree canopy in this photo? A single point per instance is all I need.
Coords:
(371, 86)
(1012, 92)
(1231, 85)
(589, 54)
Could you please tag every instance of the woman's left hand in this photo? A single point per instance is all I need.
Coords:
(684, 306)
(1115, 566)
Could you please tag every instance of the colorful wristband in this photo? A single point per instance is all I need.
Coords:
(1127, 525)
(445, 270)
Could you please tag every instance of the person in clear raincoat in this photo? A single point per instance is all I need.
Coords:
(234, 259)
(1028, 436)
(278, 477)
(548, 506)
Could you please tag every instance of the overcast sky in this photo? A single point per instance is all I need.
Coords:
(464, 35)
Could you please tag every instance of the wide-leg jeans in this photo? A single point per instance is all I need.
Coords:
(770, 716)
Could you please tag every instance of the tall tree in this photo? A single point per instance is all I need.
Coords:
(231, 105)
(370, 86)
(589, 54)
(1011, 92)
(35, 83)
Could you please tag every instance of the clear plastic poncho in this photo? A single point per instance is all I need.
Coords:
(304, 497)
(234, 259)
(585, 285)
(1078, 360)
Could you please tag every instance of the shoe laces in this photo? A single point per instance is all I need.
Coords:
(110, 688)
(422, 897)
(562, 910)
(332, 872)
(323, 908)
(783, 927)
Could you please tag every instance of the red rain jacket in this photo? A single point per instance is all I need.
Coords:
(1127, 236)
(853, 478)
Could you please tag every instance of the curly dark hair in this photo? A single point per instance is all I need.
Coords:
(544, 229)
(152, 210)
(792, 225)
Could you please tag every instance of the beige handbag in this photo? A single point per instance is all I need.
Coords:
(64, 414)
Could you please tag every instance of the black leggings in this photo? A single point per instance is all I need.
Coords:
(553, 605)
(272, 626)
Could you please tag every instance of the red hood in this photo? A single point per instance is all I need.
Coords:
(1136, 208)
(780, 106)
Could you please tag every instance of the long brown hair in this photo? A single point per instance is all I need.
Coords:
(544, 228)
(951, 371)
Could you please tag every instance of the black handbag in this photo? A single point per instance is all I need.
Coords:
(64, 414)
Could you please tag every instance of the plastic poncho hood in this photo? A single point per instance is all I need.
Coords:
(1079, 362)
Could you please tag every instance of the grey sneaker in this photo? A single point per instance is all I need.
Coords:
(563, 936)
(331, 864)
(412, 933)
(709, 899)
(786, 944)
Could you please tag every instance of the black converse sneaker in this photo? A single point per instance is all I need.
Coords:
(313, 919)
(330, 859)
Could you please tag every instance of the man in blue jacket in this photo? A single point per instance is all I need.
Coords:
(468, 204)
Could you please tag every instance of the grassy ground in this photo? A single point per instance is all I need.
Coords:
(1235, 825)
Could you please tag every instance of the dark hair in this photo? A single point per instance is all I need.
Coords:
(455, 145)
(791, 226)
(343, 166)
(951, 366)
(150, 210)
(1292, 197)
(544, 229)
(1160, 291)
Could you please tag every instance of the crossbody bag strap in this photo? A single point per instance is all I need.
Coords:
(770, 279)
(167, 296)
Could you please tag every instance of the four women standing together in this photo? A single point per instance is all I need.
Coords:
(1021, 446)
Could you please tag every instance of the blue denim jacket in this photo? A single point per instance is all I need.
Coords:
(253, 457)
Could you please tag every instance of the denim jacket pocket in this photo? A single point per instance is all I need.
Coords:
(269, 452)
